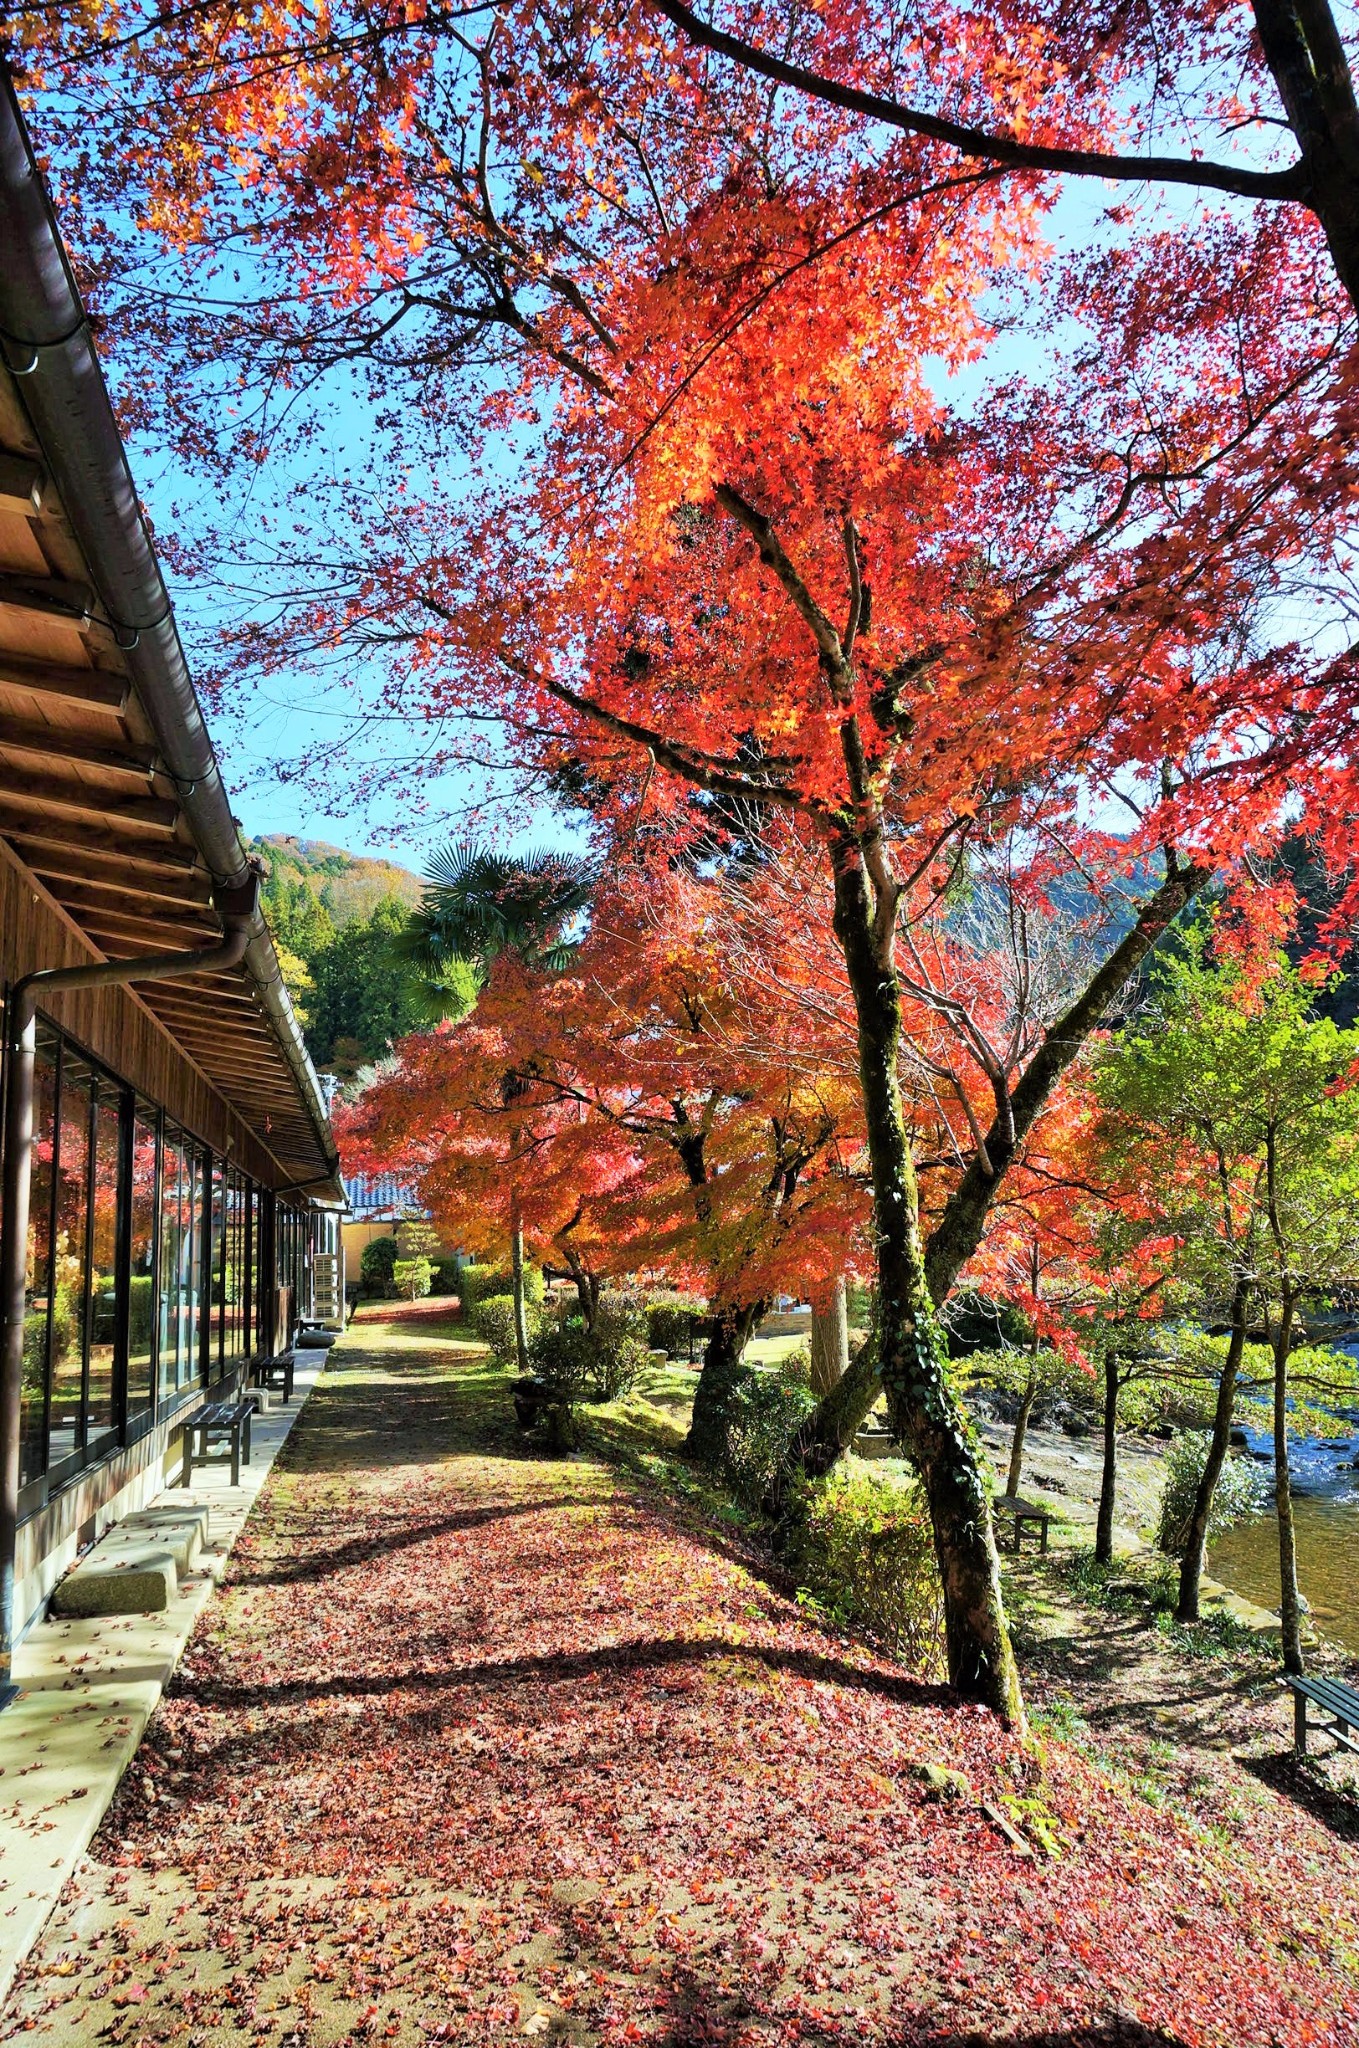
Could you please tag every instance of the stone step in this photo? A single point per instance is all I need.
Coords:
(136, 1566)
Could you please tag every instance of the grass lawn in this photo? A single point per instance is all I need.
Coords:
(476, 1746)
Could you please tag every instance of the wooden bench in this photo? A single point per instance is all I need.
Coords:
(1025, 1512)
(1341, 1702)
(275, 1373)
(221, 1422)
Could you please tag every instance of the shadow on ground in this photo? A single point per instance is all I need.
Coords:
(1302, 1783)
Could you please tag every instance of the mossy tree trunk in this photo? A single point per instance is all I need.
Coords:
(923, 1410)
(830, 1341)
(1290, 1607)
(830, 1430)
(521, 1336)
(1219, 1444)
(1108, 1479)
(1026, 1401)
(731, 1329)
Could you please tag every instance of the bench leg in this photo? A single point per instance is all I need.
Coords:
(186, 1476)
(1300, 1723)
(1043, 1539)
(248, 1421)
(236, 1455)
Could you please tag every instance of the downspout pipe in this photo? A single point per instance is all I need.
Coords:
(50, 352)
(238, 909)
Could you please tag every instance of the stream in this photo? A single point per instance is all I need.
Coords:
(1326, 1517)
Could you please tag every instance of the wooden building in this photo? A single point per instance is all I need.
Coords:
(170, 1188)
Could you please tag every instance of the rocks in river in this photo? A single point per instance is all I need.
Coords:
(1239, 1440)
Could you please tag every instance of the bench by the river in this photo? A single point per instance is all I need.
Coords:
(1340, 1702)
(1026, 1514)
(221, 1422)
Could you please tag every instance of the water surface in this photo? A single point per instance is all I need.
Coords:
(1326, 1517)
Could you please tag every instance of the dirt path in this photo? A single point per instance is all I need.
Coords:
(478, 1748)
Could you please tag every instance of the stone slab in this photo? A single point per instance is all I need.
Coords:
(88, 1687)
(135, 1568)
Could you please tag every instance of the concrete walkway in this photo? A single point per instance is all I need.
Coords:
(89, 1689)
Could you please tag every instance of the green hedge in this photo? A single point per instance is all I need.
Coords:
(863, 1547)
(493, 1320)
(670, 1318)
(376, 1262)
(479, 1283)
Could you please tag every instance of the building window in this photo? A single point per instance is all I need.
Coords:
(141, 1303)
(217, 1267)
(148, 1268)
(102, 1288)
(38, 1273)
(231, 1278)
(183, 1260)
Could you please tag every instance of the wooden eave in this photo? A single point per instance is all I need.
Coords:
(88, 811)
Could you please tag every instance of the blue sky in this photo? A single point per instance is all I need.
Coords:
(263, 734)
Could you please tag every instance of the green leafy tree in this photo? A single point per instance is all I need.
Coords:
(477, 905)
(1230, 1120)
(365, 990)
(413, 1277)
(378, 1261)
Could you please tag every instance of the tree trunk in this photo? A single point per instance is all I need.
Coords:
(521, 1338)
(1290, 1612)
(1021, 1430)
(730, 1332)
(1196, 1538)
(585, 1282)
(1303, 49)
(830, 1342)
(1104, 1525)
(831, 1428)
(922, 1408)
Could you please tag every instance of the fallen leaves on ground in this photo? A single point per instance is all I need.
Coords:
(478, 1748)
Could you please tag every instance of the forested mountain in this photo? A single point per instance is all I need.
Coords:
(334, 915)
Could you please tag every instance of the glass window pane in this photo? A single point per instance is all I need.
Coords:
(68, 1295)
(196, 1306)
(141, 1307)
(216, 1299)
(170, 1279)
(234, 1289)
(256, 1338)
(105, 1203)
(38, 1273)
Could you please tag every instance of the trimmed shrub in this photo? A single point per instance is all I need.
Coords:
(1242, 1489)
(413, 1277)
(670, 1318)
(493, 1320)
(863, 1547)
(618, 1366)
(377, 1261)
(445, 1277)
(563, 1353)
(618, 1341)
(762, 1412)
(478, 1283)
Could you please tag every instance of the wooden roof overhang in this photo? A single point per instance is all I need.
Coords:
(93, 812)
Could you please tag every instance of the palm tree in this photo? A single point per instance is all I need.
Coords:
(476, 905)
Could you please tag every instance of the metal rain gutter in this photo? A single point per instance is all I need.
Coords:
(50, 352)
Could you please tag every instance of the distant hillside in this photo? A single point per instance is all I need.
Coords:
(335, 917)
(349, 886)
